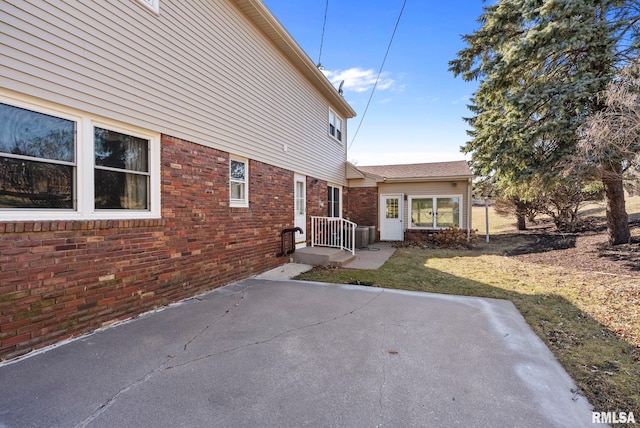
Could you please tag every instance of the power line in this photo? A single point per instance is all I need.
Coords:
(324, 23)
(379, 73)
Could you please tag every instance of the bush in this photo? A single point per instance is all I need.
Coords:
(454, 237)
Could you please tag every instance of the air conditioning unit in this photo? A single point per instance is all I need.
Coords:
(362, 236)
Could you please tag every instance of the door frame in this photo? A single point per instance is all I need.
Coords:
(384, 234)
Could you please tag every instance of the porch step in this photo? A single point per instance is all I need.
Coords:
(322, 256)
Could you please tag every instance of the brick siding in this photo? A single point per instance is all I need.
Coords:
(60, 279)
(362, 206)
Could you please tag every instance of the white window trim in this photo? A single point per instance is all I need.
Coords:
(85, 160)
(154, 5)
(338, 117)
(411, 197)
(240, 203)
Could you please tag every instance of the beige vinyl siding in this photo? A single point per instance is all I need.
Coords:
(431, 188)
(363, 182)
(200, 70)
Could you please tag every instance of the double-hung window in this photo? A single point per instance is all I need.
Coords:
(435, 212)
(335, 126)
(57, 164)
(238, 182)
(121, 170)
(37, 160)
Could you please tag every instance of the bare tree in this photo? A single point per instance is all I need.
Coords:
(611, 141)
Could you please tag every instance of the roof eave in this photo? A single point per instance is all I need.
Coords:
(426, 179)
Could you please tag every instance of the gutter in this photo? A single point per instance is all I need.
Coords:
(423, 179)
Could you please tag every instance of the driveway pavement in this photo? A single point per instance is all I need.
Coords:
(290, 354)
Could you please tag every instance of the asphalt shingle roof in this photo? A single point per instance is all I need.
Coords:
(420, 170)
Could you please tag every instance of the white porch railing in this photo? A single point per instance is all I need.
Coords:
(333, 232)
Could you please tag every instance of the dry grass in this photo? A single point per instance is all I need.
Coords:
(499, 224)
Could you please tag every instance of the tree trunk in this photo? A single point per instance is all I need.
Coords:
(522, 225)
(617, 218)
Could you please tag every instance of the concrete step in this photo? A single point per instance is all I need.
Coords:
(342, 259)
(322, 256)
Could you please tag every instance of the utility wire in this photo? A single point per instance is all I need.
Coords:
(379, 73)
(324, 23)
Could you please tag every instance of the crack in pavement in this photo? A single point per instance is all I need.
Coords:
(159, 368)
(100, 410)
(164, 365)
(260, 342)
(242, 293)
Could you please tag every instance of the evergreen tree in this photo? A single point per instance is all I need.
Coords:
(541, 65)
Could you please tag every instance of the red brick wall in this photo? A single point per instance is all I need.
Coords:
(60, 279)
(362, 206)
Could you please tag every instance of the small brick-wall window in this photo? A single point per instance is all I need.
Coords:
(238, 179)
(59, 164)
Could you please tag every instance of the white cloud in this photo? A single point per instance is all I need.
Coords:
(357, 79)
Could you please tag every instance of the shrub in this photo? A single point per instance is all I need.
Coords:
(454, 237)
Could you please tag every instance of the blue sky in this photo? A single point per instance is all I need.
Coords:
(417, 108)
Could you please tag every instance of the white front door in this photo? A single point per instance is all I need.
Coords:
(391, 213)
(300, 206)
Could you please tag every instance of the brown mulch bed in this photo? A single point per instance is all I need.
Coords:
(587, 250)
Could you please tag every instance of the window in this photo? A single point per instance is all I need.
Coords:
(333, 201)
(238, 172)
(300, 198)
(435, 212)
(121, 171)
(37, 160)
(335, 126)
(154, 5)
(59, 165)
(391, 209)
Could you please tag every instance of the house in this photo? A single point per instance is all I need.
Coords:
(411, 200)
(151, 150)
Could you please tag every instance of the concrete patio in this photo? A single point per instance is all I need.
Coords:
(290, 354)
